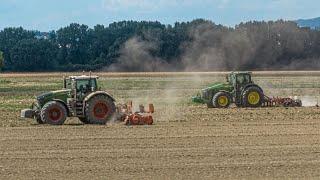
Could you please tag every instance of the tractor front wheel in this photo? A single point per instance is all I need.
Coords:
(221, 100)
(39, 120)
(252, 97)
(100, 109)
(84, 120)
(53, 113)
(210, 105)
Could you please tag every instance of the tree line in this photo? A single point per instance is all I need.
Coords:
(199, 45)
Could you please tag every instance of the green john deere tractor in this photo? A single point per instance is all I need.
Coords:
(239, 89)
(80, 97)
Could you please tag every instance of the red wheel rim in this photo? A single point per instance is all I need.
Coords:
(55, 114)
(100, 110)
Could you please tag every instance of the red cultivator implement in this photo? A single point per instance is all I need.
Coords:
(281, 102)
(141, 117)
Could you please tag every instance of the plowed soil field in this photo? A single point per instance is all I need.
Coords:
(187, 141)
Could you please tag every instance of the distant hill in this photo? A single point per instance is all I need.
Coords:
(312, 23)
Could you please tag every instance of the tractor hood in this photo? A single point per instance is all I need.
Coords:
(52, 95)
(219, 86)
(206, 93)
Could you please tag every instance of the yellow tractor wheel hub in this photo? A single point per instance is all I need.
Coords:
(253, 98)
(223, 101)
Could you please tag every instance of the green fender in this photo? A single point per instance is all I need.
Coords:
(98, 93)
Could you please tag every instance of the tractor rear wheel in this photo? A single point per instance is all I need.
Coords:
(252, 97)
(221, 100)
(53, 113)
(100, 109)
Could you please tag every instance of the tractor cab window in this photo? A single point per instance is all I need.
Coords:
(86, 85)
(228, 78)
(68, 84)
(233, 79)
(240, 79)
(247, 79)
(243, 79)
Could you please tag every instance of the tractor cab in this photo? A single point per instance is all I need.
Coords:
(80, 86)
(239, 80)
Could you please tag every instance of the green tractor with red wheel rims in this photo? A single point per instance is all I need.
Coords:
(80, 97)
(238, 88)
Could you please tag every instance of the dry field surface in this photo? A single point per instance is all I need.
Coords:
(188, 141)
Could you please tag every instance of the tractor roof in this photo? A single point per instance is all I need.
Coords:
(241, 72)
(83, 77)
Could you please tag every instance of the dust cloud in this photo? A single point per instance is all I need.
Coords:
(209, 50)
(309, 101)
(252, 46)
(135, 56)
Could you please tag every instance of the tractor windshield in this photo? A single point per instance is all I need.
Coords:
(85, 85)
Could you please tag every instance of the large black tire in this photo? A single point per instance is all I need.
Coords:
(210, 105)
(221, 100)
(100, 109)
(84, 120)
(39, 120)
(53, 113)
(252, 97)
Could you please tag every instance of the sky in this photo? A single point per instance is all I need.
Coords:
(45, 15)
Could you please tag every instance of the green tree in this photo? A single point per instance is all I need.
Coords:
(9, 37)
(34, 55)
(252, 45)
(74, 42)
(1, 60)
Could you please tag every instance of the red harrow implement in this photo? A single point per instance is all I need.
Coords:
(129, 117)
(281, 102)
